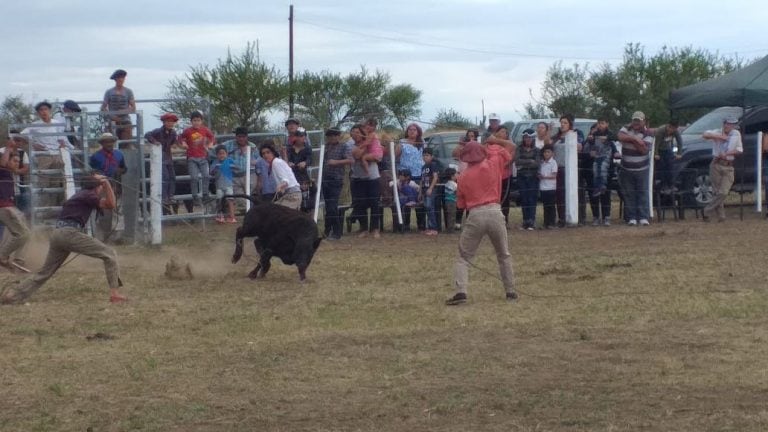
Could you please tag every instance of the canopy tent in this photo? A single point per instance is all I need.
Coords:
(745, 87)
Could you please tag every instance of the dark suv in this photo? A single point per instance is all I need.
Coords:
(692, 170)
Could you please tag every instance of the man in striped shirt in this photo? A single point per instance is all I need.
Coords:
(636, 141)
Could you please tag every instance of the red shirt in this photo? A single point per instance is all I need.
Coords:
(198, 140)
(480, 183)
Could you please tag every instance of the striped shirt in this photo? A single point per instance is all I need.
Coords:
(633, 159)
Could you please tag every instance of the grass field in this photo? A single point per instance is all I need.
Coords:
(656, 329)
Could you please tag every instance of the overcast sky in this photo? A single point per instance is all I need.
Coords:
(458, 52)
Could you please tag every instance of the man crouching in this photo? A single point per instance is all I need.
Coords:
(68, 237)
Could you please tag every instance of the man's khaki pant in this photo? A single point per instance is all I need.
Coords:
(238, 188)
(483, 220)
(63, 242)
(721, 177)
(16, 231)
(290, 200)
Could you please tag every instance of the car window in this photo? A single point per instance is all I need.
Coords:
(712, 120)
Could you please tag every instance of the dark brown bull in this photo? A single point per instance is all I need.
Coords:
(279, 231)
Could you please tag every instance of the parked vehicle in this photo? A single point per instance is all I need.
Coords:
(692, 170)
(443, 144)
(517, 133)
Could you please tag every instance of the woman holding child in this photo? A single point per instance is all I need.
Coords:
(364, 185)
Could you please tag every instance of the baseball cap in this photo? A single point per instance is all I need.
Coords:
(107, 137)
(292, 120)
(332, 131)
(169, 116)
(118, 73)
(241, 130)
(529, 132)
(71, 105)
(731, 120)
(493, 116)
(638, 115)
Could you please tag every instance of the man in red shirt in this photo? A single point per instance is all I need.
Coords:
(479, 191)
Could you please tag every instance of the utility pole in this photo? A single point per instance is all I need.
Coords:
(290, 62)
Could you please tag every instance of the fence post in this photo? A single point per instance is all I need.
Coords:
(651, 174)
(248, 176)
(156, 193)
(319, 179)
(759, 173)
(395, 191)
(571, 179)
(131, 182)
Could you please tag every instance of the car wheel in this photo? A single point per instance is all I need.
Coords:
(700, 187)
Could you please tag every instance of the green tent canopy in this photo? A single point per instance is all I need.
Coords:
(745, 87)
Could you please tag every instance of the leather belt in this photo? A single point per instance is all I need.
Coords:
(723, 162)
(68, 223)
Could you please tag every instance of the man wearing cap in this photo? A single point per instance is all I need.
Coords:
(238, 151)
(494, 123)
(119, 98)
(726, 144)
(17, 146)
(69, 237)
(166, 137)
(110, 163)
(636, 142)
(478, 192)
(48, 146)
(69, 109)
(337, 156)
(291, 126)
(15, 230)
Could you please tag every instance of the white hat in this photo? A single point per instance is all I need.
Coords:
(106, 137)
(731, 120)
(638, 115)
(493, 116)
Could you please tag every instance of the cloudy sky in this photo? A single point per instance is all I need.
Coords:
(458, 52)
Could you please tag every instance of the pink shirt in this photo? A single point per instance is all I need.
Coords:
(480, 183)
(375, 148)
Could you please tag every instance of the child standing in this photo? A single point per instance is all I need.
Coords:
(449, 199)
(428, 183)
(197, 140)
(408, 192)
(223, 170)
(603, 150)
(548, 185)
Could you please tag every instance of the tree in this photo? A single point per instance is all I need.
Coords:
(451, 119)
(639, 82)
(14, 110)
(328, 99)
(564, 90)
(403, 102)
(241, 90)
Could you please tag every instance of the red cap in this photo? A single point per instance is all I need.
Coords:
(169, 116)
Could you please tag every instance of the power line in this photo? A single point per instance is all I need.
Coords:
(455, 48)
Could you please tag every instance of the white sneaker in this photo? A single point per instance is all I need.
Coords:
(644, 222)
(607, 222)
(632, 222)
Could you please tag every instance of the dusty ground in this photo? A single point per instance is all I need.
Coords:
(661, 328)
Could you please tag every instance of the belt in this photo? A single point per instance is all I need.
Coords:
(723, 162)
(68, 223)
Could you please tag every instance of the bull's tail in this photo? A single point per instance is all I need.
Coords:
(238, 245)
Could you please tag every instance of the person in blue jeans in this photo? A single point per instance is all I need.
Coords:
(428, 182)
(527, 160)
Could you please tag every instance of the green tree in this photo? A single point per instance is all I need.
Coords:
(564, 90)
(403, 102)
(326, 98)
(241, 90)
(14, 110)
(451, 119)
(639, 82)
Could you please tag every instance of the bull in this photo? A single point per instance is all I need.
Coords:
(280, 232)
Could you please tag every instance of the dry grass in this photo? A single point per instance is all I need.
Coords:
(617, 329)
